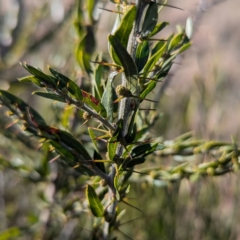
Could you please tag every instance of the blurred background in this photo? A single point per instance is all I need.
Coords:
(200, 95)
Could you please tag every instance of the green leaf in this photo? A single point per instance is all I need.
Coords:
(90, 7)
(32, 79)
(135, 161)
(93, 138)
(116, 185)
(63, 152)
(175, 42)
(112, 147)
(142, 54)
(125, 28)
(51, 96)
(85, 50)
(150, 20)
(65, 82)
(97, 156)
(43, 167)
(72, 142)
(94, 202)
(108, 96)
(126, 60)
(49, 80)
(113, 142)
(7, 98)
(93, 103)
(99, 71)
(156, 47)
(145, 149)
(154, 59)
(184, 47)
(158, 28)
(149, 87)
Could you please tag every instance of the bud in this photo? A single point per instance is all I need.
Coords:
(123, 91)
(86, 116)
(103, 183)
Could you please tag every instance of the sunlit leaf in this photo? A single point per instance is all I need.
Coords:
(90, 4)
(145, 149)
(158, 28)
(154, 59)
(175, 41)
(32, 79)
(184, 47)
(125, 27)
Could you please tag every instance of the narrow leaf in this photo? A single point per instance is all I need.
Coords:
(150, 20)
(126, 60)
(108, 96)
(125, 28)
(135, 161)
(65, 82)
(65, 153)
(21, 105)
(51, 96)
(32, 79)
(154, 59)
(93, 103)
(175, 41)
(94, 202)
(72, 142)
(184, 47)
(142, 54)
(158, 28)
(40, 75)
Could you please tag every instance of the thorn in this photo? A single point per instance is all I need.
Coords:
(131, 206)
(11, 124)
(130, 221)
(54, 159)
(109, 10)
(118, 99)
(147, 109)
(124, 234)
(148, 100)
(84, 123)
(155, 39)
(171, 6)
(140, 172)
(108, 64)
